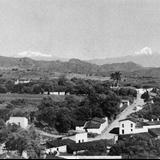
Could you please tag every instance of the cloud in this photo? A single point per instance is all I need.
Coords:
(145, 50)
(33, 54)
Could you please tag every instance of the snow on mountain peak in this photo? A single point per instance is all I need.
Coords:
(145, 51)
(31, 54)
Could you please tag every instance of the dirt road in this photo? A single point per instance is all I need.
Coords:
(115, 123)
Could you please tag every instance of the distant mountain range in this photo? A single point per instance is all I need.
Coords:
(145, 60)
(71, 66)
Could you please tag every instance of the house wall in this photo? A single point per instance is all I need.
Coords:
(62, 149)
(104, 125)
(98, 131)
(22, 121)
(61, 93)
(127, 127)
(153, 126)
(79, 137)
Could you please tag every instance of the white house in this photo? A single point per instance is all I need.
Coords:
(78, 137)
(133, 126)
(96, 125)
(21, 121)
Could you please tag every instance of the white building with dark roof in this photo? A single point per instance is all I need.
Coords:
(96, 125)
(133, 126)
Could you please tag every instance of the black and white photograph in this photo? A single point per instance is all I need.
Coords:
(79, 79)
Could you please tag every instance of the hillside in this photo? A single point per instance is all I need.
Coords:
(71, 66)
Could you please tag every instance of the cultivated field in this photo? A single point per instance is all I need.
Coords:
(29, 97)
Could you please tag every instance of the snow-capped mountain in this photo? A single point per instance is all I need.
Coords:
(145, 57)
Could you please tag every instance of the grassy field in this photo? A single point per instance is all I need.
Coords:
(29, 97)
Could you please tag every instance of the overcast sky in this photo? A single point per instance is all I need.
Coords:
(83, 29)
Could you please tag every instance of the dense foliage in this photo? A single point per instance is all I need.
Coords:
(137, 146)
(17, 139)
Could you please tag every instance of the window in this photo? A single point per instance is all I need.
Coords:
(131, 130)
(122, 131)
(131, 124)
(123, 125)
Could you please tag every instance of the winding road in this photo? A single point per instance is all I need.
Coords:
(130, 109)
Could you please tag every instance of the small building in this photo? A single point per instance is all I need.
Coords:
(80, 125)
(58, 145)
(124, 102)
(22, 81)
(96, 125)
(133, 126)
(78, 137)
(20, 121)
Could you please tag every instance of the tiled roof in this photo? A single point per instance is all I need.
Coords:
(129, 119)
(80, 123)
(95, 123)
(154, 131)
(92, 124)
(90, 144)
(100, 120)
(59, 142)
(149, 123)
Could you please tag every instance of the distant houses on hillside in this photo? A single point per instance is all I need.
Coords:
(22, 81)
(56, 93)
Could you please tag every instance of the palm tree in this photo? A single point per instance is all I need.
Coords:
(116, 76)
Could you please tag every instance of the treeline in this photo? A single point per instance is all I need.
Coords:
(88, 99)
(73, 86)
(66, 114)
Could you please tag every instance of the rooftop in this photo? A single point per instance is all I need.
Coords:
(154, 131)
(87, 145)
(100, 120)
(59, 142)
(92, 124)
(129, 119)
